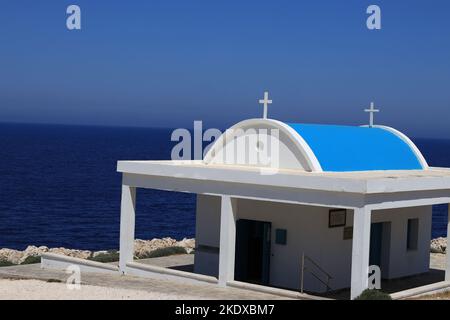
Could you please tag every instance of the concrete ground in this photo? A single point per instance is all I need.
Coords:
(105, 286)
(436, 274)
(41, 290)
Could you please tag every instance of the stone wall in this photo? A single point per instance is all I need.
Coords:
(141, 249)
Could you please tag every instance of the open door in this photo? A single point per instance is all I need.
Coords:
(252, 261)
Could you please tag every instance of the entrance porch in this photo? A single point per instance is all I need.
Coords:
(361, 194)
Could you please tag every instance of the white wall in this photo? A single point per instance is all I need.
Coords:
(307, 231)
(401, 261)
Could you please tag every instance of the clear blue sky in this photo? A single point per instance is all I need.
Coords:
(168, 63)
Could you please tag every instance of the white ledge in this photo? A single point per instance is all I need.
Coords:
(60, 262)
(423, 290)
(171, 272)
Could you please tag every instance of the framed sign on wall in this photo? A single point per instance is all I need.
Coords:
(348, 233)
(337, 218)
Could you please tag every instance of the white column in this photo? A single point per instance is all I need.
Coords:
(447, 254)
(227, 240)
(127, 225)
(360, 251)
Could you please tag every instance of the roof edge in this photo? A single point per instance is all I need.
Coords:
(310, 156)
(409, 142)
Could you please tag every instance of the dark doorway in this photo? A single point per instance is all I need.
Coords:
(252, 263)
(376, 238)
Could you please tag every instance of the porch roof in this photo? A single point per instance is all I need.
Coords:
(362, 182)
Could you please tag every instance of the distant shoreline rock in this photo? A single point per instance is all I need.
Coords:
(142, 249)
(438, 245)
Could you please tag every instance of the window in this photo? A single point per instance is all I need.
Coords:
(412, 234)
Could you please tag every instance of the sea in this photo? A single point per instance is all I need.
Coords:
(59, 186)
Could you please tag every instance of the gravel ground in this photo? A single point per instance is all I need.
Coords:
(41, 290)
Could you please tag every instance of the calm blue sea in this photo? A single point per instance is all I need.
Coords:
(59, 186)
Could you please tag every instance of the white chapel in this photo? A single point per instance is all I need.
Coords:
(301, 207)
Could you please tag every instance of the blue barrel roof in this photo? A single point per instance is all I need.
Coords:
(346, 148)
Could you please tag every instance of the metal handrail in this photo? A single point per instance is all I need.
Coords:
(329, 277)
(318, 267)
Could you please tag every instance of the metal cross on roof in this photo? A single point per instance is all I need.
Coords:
(266, 102)
(371, 111)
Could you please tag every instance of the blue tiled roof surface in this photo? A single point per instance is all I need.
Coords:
(346, 148)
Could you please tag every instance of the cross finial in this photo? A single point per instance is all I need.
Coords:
(371, 111)
(265, 102)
